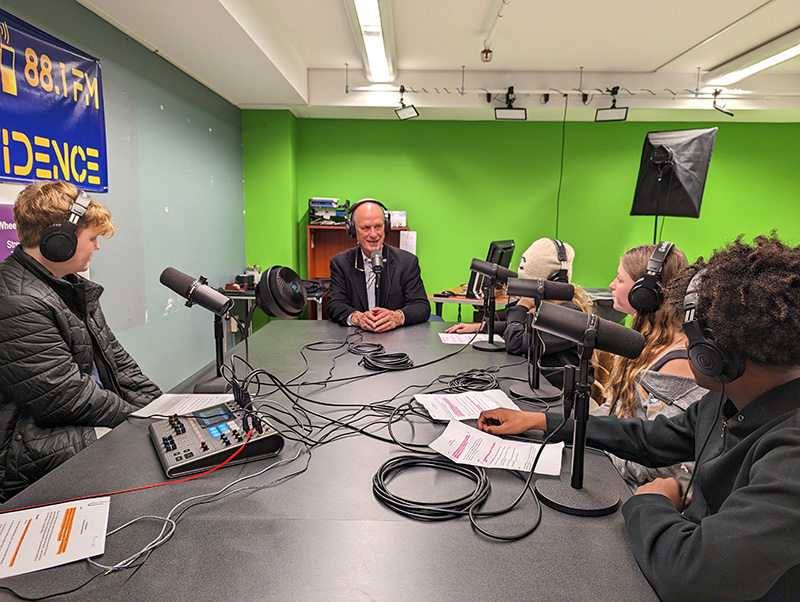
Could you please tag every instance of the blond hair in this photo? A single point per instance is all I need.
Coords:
(45, 204)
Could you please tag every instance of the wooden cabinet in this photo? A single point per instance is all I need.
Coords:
(326, 241)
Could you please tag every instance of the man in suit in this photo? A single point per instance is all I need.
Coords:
(374, 286)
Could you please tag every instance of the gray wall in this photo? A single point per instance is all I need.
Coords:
(175, 191)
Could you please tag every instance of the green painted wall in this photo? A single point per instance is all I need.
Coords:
(464, 184)
(270, 188)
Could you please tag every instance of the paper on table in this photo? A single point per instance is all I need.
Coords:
(466, 445)
(451, 338)
(172, 403)
(40, 538)
(464, 406)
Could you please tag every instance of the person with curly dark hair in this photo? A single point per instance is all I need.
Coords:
(738, 537)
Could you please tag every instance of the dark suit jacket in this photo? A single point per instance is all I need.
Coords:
(401, 286)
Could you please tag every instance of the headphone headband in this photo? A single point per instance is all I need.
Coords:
(562, 274)
(357, 204)
(646, 294)
(349, 224)
(707, 356)
(656, 262)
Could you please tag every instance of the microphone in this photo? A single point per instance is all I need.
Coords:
(497, 272)
(377, 261)
(540, 289)
(571, 325)
(196, 291)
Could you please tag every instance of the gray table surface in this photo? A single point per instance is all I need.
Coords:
(322, 535)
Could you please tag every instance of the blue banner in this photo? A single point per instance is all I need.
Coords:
(52, 124)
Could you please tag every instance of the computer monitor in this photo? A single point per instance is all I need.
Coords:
(500, 252)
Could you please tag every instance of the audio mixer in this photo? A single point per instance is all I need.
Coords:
(203, 439)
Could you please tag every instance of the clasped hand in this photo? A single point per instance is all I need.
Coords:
(379, 319)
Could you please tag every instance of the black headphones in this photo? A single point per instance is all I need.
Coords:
(706, 355)
(560, 275)
(59, 241)
(646, 294)
(350, 227)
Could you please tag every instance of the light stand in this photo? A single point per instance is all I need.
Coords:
(672, 174)
(488, 314)
(582, 496)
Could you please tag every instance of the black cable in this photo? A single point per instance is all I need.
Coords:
(464, 505)
(527, 487)
(48, 596)
(561, 170)
(365, 348)
(475, 379)
(703, 447)
(429, 511)
(386, 361)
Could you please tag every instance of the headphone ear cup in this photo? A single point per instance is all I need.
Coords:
(646, 295)
(706, 358)
(715, 361)
(58, 243)
(349, 227)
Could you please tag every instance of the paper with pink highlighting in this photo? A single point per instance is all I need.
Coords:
(466, 445)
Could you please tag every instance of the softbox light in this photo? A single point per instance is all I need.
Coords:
(280, 293)
(672, 173)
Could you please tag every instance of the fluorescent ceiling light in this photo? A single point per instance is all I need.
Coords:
(778, 50)
(371, 23)
(611, 114)
(510, 114)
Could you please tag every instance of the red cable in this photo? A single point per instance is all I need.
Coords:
(191, 478)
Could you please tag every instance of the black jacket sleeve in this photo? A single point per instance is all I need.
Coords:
(517, 339)
(743, 551)
(342, 296)
(415, 304)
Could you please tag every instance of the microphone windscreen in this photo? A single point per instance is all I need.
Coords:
(571, 324)
(377, 261)
(486, 268)
(194, 291)
(177, 281)
(618, 339)
(541, 289)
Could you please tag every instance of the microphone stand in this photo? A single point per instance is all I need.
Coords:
(532, 389)
(488, 314)
(215, 384)
(583, 496)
